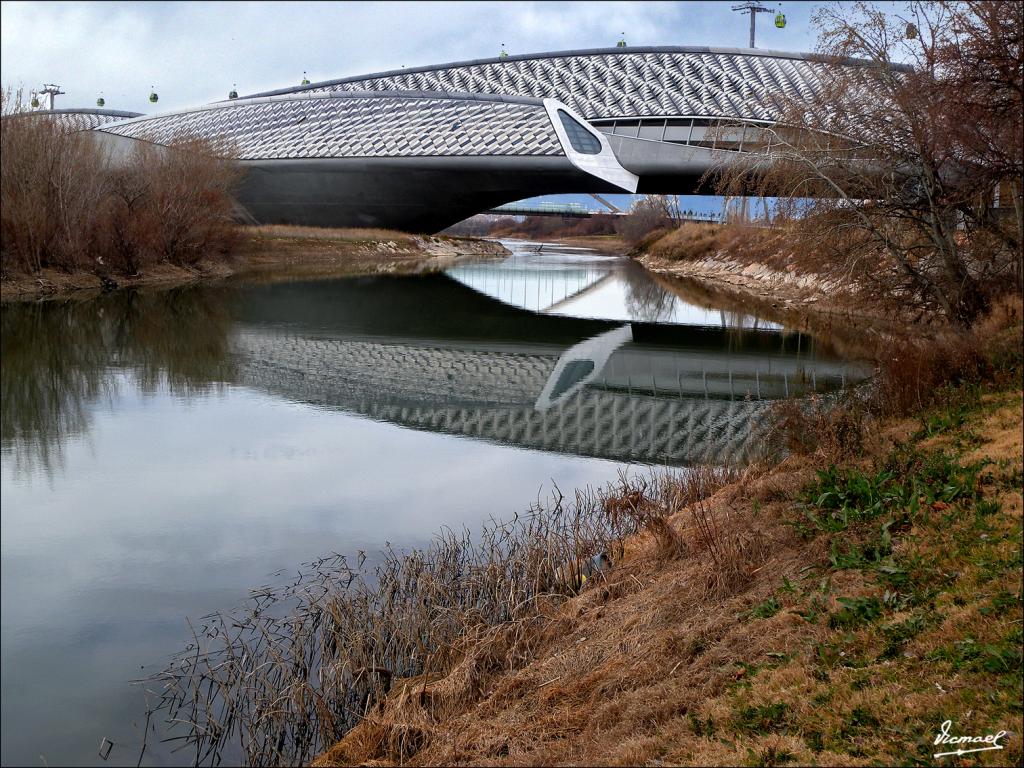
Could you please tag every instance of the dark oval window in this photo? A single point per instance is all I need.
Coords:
(582, 140)
(573, 373)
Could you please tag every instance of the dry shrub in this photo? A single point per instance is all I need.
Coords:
(188, 210)
(700, 482)
(68, 204)
(647, 215)
(650, 517)
(914, 373)
(51, 186)
(652, 502)
(830, 427)
(735, 554)
(694, 241)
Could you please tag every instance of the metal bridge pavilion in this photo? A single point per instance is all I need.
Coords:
(420, 149)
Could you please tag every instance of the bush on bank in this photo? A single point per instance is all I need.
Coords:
(67, 205)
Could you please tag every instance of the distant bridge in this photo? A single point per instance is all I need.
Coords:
(577, 211)
(563, 210)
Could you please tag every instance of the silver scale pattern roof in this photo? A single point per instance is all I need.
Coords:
(71, 120)
(344, 125)
(610, 84)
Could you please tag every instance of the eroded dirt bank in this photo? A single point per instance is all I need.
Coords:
(276, 253)
(762, 266)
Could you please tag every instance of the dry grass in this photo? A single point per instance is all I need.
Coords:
(695, 241)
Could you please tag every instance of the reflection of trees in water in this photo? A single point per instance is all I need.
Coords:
(646, 300)
(60, 360)
(653, 301)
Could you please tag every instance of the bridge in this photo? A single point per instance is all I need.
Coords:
(578, 211)
(561, 210)
(420, 149)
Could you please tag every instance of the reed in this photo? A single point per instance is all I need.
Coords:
(298, 665)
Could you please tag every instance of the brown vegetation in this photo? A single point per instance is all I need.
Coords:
(695, 241)
(287, 675)
(648, 214)
(67, 204)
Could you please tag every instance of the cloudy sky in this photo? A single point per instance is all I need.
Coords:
(194, 52)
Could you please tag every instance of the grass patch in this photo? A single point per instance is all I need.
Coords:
(766, 610)
(766, 718)
(855, 611)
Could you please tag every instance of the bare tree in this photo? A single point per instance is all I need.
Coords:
(891, 169)
(648, 214)
(67, 203)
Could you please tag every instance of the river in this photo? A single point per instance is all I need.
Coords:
(165, 451)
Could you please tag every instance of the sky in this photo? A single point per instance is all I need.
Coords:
(192, 53)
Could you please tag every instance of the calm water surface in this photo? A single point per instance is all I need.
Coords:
(164, 452)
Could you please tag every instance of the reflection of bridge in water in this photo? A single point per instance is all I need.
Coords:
(530, 288)
(633, 392)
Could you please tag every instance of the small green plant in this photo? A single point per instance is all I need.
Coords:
(958, 402)
(861, 717)
(701, 727)
(897, 634)
(769, 756)
(767, 609)
(986, 507)
(850, 496)
(1002, 603)
(815, 741)
(996, 658)
(855, 611)
(767, 718)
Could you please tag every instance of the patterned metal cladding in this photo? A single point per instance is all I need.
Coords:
(72, 120)
(371, 125)
(608, 84)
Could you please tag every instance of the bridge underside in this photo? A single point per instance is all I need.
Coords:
(407, 194)
(428, 194)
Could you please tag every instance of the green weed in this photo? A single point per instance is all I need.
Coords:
(766, 610)
(767, 718)
(855, 611)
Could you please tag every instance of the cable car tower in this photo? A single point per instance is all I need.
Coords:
(751, 7)
(48, 92)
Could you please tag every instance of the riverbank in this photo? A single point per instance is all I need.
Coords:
(759, 265)
(269, 253)
(808, 614)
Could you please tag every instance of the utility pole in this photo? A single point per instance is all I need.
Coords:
(753, 9)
